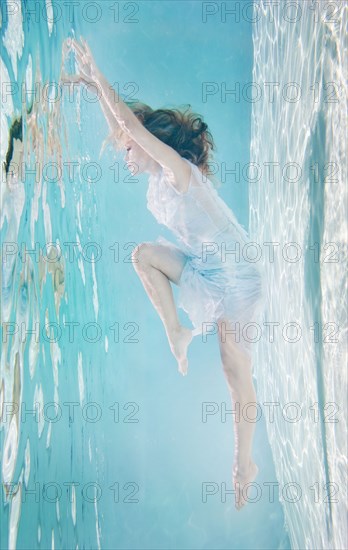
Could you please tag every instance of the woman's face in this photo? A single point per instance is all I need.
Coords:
(136, 158)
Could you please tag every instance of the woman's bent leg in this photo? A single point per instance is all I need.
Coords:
(156, 266)
(238, 373)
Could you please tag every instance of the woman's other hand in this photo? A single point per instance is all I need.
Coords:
(86, 71)
(87, 67)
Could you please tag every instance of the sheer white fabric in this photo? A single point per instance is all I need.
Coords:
(218, 280)
(195, 217)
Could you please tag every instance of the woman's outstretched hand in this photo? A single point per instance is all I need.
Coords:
(115, 110)
(87, 71)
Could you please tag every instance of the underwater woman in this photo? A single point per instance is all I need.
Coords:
(220, 292)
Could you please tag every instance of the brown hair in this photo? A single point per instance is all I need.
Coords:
(184, 131)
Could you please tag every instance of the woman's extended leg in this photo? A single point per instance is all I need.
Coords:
(238, 372)
(157, 265)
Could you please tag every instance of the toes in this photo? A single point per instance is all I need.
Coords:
(240, 503)
(183, 367)
(240, 500)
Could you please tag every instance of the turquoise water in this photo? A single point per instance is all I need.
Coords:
(126, 429)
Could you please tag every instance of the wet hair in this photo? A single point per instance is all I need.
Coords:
(183, 130)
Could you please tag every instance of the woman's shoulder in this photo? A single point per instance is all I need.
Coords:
(181, 181)
(205, 179)
(178, 177)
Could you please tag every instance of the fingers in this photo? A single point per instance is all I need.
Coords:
(83, 58)
(86, 46)
(82, 48)
(84, 43)
(80, 59)
(68, 42)
(78, 49)
(84, 61)
(80, 53)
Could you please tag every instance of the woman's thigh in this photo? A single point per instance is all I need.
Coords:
(168, 259)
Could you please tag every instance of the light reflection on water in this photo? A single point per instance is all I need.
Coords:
(310, 209)
(45, 374)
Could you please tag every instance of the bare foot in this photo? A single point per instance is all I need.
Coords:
(242, 477)
(179, 343)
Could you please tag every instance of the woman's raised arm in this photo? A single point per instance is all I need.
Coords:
(124, 116)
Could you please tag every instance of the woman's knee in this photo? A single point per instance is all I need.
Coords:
(142, 255)
(167, 259)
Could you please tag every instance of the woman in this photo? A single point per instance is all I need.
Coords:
(219, 290)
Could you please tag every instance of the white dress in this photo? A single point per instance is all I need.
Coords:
(216, 283)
